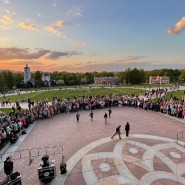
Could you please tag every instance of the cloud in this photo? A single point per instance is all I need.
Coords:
(60, 23)
(78, 64)
(55, 54)
(6, 19)
(7, 1)
(76, 11)
(112, 66)
(54, 28)
(54, 4)
(21, 53)
(78, 43)
(73, 42)
(129, 59)
(28, 26)
(180, 26)
(28, 54)
(133, 58)
(38, 14)
(20, 63)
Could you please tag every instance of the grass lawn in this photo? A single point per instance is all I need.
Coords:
(178, 94)
(6, 110)
(147, 85)
(70, 93)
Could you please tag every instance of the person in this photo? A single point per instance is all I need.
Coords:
(105, 117)
(8, 166)
(127, 129)
(117, 132)
(110, 111)
(13, 108)
(91, 115)
(77, 116)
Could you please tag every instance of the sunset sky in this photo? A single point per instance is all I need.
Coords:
(92, 35)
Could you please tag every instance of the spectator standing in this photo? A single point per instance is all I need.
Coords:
(110, 111)
(8, 166)
(127, 129)
(77, 116)
(105, 117)
(91, 115)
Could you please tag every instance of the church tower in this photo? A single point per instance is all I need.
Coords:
(27, 74)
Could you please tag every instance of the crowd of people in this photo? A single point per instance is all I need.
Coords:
(19, 119)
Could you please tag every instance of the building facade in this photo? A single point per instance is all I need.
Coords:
(164, 80)
(46, 79)
(159, 80)
(27, 74)
(106, 80)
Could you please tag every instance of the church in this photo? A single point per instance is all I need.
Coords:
(46, 79)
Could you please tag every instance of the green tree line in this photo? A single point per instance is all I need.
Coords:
(9, 79)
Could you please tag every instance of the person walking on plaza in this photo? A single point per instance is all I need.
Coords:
(127, 129)
(110, 111)
(118, 132)
(105, 117)
(91, 115)
(8, 166)
(77, 116)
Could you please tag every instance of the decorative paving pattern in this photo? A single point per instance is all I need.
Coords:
(88, 138)
(140, 164)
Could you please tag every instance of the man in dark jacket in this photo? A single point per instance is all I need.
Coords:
(8, 166)
(127, 129)
(117, 132)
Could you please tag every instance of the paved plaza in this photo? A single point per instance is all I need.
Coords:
(149, 155)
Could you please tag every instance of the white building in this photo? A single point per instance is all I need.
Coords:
(46, 79)
(27, 74)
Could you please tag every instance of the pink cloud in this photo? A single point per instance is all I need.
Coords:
(179, 27)
(28, 26)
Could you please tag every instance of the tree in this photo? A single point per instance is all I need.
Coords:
(84, 80)
(60, 82)
(38, 79)
(121, 76)
(182, 75)
(8, 79)
(127, 76)
(135, 76)
(89, 78)
(19, 80)
(3, 86)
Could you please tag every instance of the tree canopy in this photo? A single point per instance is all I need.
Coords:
(9, 79)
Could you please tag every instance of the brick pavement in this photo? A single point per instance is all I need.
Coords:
(64, 130)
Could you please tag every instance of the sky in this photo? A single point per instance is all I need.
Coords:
(92, 35)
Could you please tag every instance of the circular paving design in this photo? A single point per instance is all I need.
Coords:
(152, 165)
(104, 167)
(175, 155)
(133, 150)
